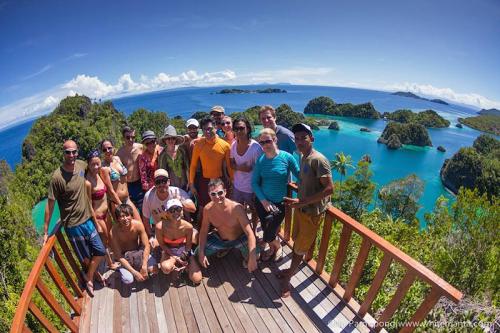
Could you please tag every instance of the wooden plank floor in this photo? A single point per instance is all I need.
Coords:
(229, 300)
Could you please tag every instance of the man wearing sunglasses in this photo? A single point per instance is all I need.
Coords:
(155, 202)
(232, 228)
(67, 187)
(286, 140)
(129, 155)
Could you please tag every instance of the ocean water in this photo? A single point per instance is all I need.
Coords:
(387, 164)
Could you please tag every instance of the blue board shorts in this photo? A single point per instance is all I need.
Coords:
(85, 240)
(136, 194)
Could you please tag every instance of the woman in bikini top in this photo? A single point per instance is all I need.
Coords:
(176, 238)
(97, 188)
(116, 171)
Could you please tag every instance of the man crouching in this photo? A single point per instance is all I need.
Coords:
(131, 247)
(232, 228)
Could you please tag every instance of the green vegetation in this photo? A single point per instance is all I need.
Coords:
(469, 226)
(487, 123)
(427, 118)
(326, 105)
(476, 167)
(408, 134)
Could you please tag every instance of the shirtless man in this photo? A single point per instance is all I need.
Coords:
(232, 228)
(131, 247)
(129, 154)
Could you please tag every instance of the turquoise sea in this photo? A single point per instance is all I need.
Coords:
(387, 164)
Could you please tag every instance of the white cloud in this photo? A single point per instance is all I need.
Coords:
(297, 75)
(446, 93)
(94, 87)
(41, 71)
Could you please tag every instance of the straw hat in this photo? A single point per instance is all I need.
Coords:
(169, 132)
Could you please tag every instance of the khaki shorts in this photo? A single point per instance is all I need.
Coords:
(306, 229)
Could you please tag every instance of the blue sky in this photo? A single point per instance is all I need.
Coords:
(448, 49)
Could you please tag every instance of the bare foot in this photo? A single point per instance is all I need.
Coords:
(285, 288)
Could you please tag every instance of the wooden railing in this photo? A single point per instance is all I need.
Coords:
(74, 299)
(413, 269)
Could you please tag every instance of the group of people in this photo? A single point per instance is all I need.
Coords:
(179, 201)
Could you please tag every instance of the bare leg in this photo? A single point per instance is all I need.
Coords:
(287, 274)
(194, 271)
(92, 268)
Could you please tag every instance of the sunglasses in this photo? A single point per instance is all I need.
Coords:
(71, 152)
(208, 129)
(175, 209)
(161, 181)
(108, 149)
(149, 142)
(265, 142)
(226, 123)
(239, 128)
(218, 193)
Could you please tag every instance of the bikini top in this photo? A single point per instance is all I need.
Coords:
(174, 242)
(99, 194)
(114, 174)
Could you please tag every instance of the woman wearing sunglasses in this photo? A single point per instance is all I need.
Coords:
(148, 160)
(269, 182)
(176, 238)
(117, 172)
(99, 186)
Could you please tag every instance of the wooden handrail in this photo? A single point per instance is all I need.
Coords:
(34, 281)
(414, 269)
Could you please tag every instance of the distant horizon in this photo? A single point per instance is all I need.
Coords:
(5, 126)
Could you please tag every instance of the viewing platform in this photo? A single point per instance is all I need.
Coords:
(230, 299)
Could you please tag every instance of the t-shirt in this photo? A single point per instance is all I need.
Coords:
(243, 180)
(212, 154)
(68, 189)
(270, 176)
(312, 169)
(152, 206)
(286, 139)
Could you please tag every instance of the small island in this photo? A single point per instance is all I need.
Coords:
(326, 105)
(488, 123)
(412, 95)
(489, 112)
(427, 118)
(334, 126)
(258, 91)
(474, 167)
(396, 134)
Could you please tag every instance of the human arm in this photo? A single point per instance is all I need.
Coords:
(256, 186)
(117, 252)
(88, 189)
(147, 250)
(205, 224)
(49, 209)
(192, 168)
(247, 229)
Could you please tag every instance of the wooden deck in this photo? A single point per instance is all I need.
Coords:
(229, 300)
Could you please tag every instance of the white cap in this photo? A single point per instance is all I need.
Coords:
(173, 203)
(191, 122)
(217, 108)
(161, 173)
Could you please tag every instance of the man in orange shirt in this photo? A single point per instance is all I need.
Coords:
(213, 154)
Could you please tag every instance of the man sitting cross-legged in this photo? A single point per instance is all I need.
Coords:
(131, 246)
(176, 237)
(232, 228)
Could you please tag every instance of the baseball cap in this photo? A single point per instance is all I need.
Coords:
(161, 173)
(173, 203)
(191, 122)
(300, 127)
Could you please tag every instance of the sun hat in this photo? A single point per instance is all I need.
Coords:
(173, 203)
(161, 173)
(148, 135)
(170, 131)
(217, 108)
(191, 122)
(300, 127)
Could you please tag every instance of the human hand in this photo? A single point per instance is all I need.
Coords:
(153, 242)
(252, 263)
(144, 272)
(138, 276)
(293, 202)
(203, 260)
(45, 237)
(267, 205)
(193, 190)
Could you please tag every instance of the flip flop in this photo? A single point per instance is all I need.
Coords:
(278, 254)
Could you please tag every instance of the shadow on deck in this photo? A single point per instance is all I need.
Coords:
(229, 300)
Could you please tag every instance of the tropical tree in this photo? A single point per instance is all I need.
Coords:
(400, 197)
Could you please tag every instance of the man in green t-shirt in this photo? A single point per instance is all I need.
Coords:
(313, 198)
(67, 187)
